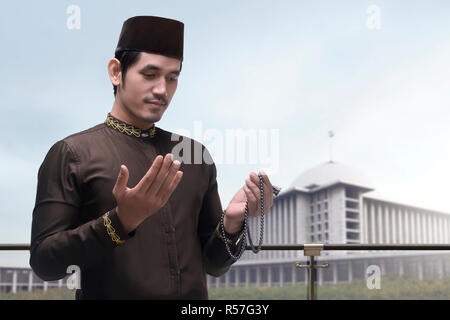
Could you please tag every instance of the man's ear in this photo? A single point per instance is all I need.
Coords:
(114, 71)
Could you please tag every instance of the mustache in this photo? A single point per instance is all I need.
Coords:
(157, 100)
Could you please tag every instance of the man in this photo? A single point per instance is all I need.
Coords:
(151, 230)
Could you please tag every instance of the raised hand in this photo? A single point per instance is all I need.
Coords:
(234, 213)
(136, 204)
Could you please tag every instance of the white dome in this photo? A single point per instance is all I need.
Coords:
(330, 173)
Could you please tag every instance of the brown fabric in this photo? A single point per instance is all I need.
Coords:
(166, 257)
(152, 34)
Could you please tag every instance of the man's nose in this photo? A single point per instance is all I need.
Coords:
(160, 88)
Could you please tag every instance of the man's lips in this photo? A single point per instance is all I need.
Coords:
(157, 104)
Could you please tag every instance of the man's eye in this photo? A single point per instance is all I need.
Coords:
(173, 79)
(149, 75)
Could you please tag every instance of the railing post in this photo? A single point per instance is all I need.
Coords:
(312, 250)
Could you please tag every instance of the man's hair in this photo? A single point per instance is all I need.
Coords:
(127, 58)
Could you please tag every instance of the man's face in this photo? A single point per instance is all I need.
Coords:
(150, 84)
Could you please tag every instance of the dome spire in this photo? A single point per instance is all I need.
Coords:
(331, 135)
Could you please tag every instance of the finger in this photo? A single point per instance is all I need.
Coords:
(173, 184)
(253, 177)
(257, 185)
(266, 179)
(122, 179)
(148, 178)
(254, 190)
(168, 179)
(252, 202)
(162, 173)
(268, 192)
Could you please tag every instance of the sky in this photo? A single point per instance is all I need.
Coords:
(374, 72)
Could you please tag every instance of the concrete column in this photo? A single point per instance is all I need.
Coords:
(382, 267)
(373, 224)
(281, 275)
(269, 275)
(280, 229)
(293, 270)
(401, 226)
(446, 230)
(418, 223)
(14, 282)
(394, 225)
(286, 225)
(30, 281)
(435, 229)
(292, 223)
(421, 220)
(271, 229)
(387, 225)
(319, 273)
(365, 222)
(247, 276)
(407, 227)
(350, 271)
(258, 275)
(45, 286)
(420, 269)
(299, 216)
(380, 224)
(335, 273)
(413, 233)
(424, 229)
(439, 227)
(417, 226)
(440, 266)
(210, 281)
(401, 270)
(430, 229)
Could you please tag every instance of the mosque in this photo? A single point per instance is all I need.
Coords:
(331, 203)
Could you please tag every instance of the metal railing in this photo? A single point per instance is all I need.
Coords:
(309, 250)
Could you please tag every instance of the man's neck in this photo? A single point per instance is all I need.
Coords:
(119, 112)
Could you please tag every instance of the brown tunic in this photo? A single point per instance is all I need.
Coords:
(166, 257)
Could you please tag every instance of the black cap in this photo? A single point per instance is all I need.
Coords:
(152, 34)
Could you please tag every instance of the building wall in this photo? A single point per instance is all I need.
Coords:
(341, 269)
(389, 222)
(13, 280)
(337, 214)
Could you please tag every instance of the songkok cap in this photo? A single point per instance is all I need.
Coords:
(152, 34)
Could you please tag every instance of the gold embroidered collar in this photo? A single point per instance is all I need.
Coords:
(129, 129)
